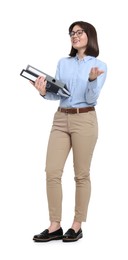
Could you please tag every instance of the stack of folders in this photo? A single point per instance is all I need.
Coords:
(53, 85)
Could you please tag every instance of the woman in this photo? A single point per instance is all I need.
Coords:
(74, 126)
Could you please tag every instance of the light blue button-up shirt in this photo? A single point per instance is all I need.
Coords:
(75, 73)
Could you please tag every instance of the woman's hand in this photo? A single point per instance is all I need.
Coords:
(94, 73)
(40, 85)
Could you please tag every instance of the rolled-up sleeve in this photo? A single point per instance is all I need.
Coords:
(94, 87)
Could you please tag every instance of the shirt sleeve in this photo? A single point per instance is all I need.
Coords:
(94, 87)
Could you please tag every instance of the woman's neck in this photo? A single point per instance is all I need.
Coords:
(81, 55)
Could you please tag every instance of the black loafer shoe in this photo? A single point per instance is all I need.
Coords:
(45, 236)
(72, 236)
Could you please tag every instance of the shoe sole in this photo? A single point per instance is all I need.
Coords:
(47, 240)
(71, 239)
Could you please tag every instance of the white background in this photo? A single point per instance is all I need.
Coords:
(36, 33)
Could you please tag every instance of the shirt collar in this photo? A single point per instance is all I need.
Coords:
(86, 58)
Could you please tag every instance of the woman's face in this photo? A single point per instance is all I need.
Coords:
(79, 38)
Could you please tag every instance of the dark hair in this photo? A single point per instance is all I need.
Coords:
(92, 48)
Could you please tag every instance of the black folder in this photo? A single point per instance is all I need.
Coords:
(53, 85)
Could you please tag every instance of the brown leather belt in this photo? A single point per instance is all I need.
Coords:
(76, 110)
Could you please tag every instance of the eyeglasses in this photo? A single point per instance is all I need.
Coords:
(78, 33)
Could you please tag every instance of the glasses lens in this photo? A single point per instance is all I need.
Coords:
(72, 34)
(79, 33)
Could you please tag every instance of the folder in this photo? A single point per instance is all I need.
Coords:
(53, 85)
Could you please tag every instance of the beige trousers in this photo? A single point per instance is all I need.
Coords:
(79, 132)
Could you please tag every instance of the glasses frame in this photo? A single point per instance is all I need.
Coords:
(72, 33)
